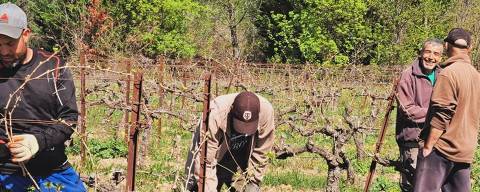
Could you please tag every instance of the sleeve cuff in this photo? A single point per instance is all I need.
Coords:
(41, 141)
(4, 153)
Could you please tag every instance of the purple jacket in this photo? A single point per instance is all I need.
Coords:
(413, 97)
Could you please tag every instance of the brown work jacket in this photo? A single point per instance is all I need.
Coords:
(262, 142)
(455, 109)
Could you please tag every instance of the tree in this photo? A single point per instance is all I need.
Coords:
(468, 17)
(351, 31)
(409, 24)
(55, 23)
(236, 17)
(319, 31)
(155, 27)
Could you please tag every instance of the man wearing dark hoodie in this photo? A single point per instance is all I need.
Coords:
(413, 96)
(41, 114)
(452, 122)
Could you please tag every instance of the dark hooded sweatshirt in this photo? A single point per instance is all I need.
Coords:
(41, 105)
(413, 96)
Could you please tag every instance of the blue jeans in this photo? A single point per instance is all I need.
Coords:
(67, 180)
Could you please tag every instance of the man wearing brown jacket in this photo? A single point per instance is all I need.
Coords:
(241, 132)
(452, 121)
(413, 96)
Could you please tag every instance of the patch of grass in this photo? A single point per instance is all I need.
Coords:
(383, 183)
(104, 149)
(295, 179)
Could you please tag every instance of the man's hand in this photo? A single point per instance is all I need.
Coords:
(252, 187)
(426, 151)
(432, 139)
(23, 147)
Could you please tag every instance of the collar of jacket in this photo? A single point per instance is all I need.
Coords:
(464, 58)
(417, 69)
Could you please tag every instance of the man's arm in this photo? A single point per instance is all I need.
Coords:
(62, 108)
(406, 98)
(258, 161)
(431, 140)
(443, 107)
(66, 112)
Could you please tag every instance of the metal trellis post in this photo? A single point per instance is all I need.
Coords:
(134, 130)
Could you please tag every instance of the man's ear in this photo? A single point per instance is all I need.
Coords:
(26, 34)
(446, 47)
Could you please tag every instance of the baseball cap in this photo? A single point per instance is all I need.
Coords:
(459, 37)
(245, 113)
(13, 20)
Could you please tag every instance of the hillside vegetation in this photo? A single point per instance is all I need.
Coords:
(287, 31)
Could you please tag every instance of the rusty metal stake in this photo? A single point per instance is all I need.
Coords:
(128, 65)
(134, 129)
(383, 131)
(203, 146)
(83, 109)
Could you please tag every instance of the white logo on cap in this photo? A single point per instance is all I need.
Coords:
(247, 115)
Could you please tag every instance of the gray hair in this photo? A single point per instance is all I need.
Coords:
(432, 41)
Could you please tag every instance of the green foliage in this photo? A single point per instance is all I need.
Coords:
(55, 23)
(293, 31)
(409, 24)
(155, 27)
(383, 183)
(318, 31)
(102, 148)
(107, 149)
(475, 174)
(351, 31)
(29, 189)
(57, 187)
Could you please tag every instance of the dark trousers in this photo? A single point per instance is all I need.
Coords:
(226, 167)
(435, 172)
(408, 158)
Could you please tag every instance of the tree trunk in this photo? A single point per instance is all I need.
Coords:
(333, 179)
(358, 138)
(232, 25)
(235, 46)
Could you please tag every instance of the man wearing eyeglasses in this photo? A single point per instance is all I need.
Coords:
(241, 132)
(38, 108)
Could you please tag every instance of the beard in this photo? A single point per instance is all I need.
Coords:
(17, 59)
(13, 64)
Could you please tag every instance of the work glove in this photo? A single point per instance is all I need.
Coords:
(23, 147)
(252, 187)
